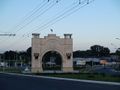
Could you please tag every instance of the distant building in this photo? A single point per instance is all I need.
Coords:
(84, 61)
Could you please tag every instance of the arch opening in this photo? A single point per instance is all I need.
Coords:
(52, 60)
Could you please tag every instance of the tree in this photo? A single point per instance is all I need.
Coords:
(76, 53)
(99, 51)
(10, 55)
(95, 51)
(105, 51)
(82, 54)
(28, 52)
(118, 52)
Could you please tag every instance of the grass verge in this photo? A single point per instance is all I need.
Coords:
(85, 76)
(10, 70)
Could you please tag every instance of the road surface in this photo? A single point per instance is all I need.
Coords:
(15, 82)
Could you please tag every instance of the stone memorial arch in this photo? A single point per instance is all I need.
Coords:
(52, 53)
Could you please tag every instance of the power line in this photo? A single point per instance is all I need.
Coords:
(30, 14)
(27, 16)
(52, 4)
(66, 13)
(41, 8)
(33, 19)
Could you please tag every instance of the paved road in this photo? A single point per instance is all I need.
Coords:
(14, 82)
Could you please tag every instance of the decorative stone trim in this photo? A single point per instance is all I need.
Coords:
(36, 55)
(68, 55)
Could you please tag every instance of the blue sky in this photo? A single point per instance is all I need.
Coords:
(96, 23)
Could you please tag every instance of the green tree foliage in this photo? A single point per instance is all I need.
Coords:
(118, 52)
(99, 51)
(82, 54)
(10, 55)
(24, 56)
(28, 52)
(95, 51)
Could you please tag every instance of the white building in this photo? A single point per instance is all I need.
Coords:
(83, 61)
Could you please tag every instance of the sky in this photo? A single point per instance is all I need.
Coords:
(96, 23)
